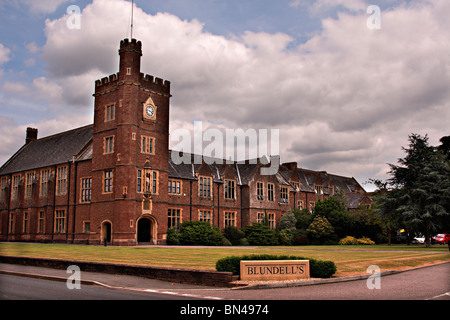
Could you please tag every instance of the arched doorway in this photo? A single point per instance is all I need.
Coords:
(106, 232)
(146, 230)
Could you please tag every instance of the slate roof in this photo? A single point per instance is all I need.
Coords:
(52, 150)
(355, 199)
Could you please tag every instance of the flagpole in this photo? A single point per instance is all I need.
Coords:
(132, 17)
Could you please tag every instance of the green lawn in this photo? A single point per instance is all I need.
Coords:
(348, 259)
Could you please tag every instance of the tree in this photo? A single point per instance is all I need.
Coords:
(386, 203)
(321, 230)
(303, 217)
(287, 221)
(445, 146)
(335, 210)
(286, 228)
(420, 194)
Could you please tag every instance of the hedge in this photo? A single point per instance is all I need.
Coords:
(317, 268)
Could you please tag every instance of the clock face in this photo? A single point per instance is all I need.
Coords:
(150, 111)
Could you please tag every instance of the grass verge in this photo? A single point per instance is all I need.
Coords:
(349, 260)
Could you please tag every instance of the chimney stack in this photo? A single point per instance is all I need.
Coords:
(32, 135)
(291, 165)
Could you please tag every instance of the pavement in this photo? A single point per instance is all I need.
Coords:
(95, 278)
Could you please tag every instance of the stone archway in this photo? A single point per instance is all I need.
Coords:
(106, 234)
(146, 230)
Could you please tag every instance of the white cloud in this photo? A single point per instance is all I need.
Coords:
(32, 47)
(4, 54)
(345, 100)
(11, 138)
(14, 87)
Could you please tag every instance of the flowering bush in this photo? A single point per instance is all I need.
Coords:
(320, 230)
(365, 240)
(349, 240)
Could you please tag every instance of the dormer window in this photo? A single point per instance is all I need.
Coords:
(260, 190)
(318, 189)
(204, 187)
(284, 195)
(230, 189)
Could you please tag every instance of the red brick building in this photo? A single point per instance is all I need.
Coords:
(114, 181)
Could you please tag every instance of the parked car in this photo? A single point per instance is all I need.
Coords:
(419, 239)
(442, 238)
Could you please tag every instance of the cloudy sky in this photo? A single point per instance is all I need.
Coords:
(345, 97)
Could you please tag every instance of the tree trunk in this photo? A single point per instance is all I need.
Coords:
(427, 241)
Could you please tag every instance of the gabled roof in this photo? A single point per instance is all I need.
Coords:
(49, 151)
(355, 199)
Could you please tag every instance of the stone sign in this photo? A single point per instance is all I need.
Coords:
(274, 269)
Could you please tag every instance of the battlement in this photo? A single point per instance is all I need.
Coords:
(157, 81)
(155, 84)
(130, 45)
(107, 80)
(147, 81)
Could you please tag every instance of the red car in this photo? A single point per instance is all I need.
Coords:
(442, 238)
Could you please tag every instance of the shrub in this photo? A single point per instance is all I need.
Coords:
(287, 221)
(318, 268)
(260, 235)
(348, 240)
(173, 236)
(321, 269)
(286, 237)
(195, 233)
(365, 240)
(301, 237)
(303, 218)
(226, 242)
(244, 242)
(301, 240)
(321, 230)
(233, 234)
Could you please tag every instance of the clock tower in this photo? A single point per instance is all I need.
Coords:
(130, 152)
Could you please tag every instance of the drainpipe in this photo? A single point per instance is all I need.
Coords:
(218, 205)
(8, 207)
(240, 188)
(190, 200)
(68, 199)
(54, 202)
(75, 202)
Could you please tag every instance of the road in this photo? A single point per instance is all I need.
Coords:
(21, 288)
